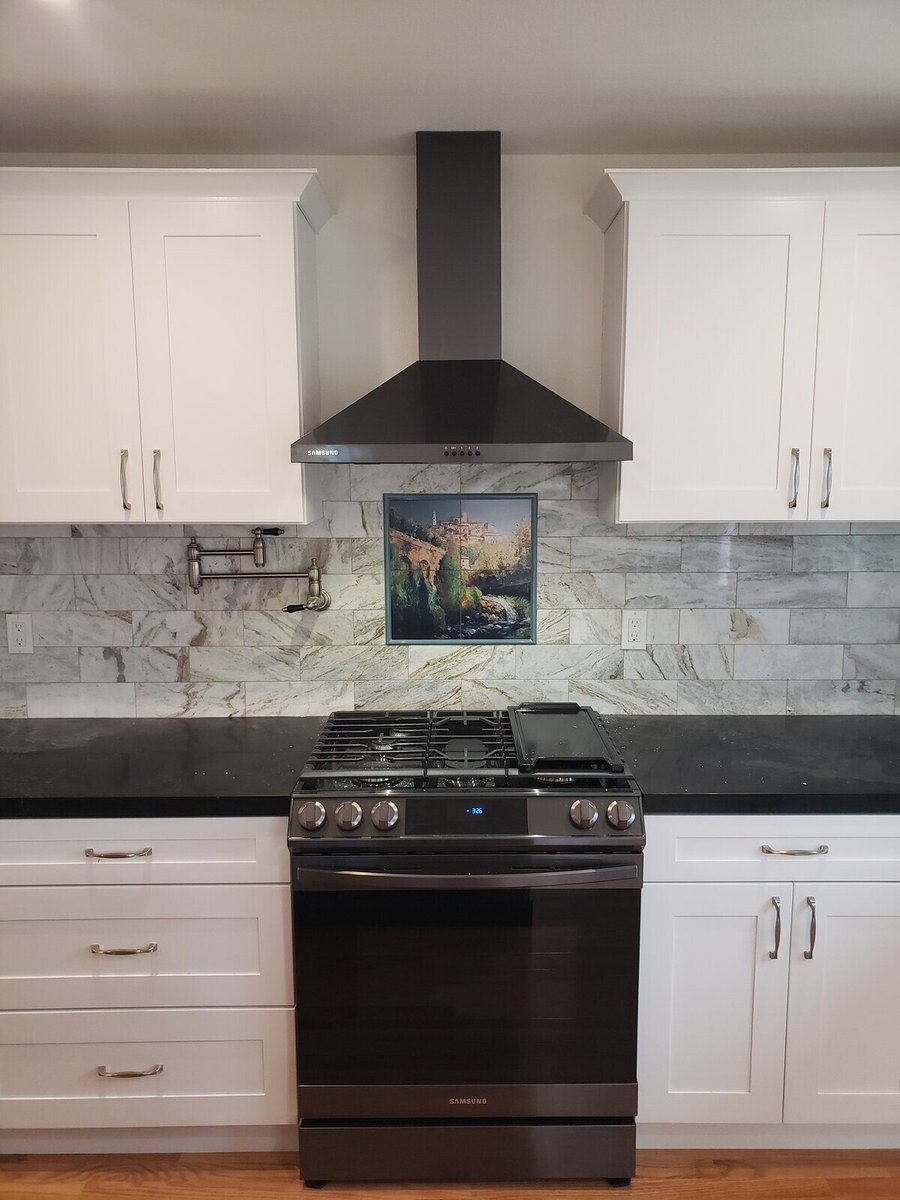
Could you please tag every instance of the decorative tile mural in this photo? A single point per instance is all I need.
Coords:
(460, 568)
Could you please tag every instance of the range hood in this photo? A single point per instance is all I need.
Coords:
(460, 399)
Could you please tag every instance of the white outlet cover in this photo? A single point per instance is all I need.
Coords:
(19, 635)
(634, 629)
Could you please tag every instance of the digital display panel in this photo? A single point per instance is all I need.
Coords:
(429, 815)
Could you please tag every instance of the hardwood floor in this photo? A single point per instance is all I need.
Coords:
(662, 1175)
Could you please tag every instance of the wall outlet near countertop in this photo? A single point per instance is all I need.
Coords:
(19, 636)
(634, 629)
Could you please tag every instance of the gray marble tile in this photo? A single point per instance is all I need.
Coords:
(118, 593)
(82, 629)
(330, 481)
(9, 556)
(350, 519)
(553, 626)
(729, 698)
(878, 527)
(368, 628)
(52, 665)
(853, 553)
(237, 664)
(125, 530)
(871, 662)
(586, 480)
(680, 662)
(569, 662)
(595, 627)
(554, 553)
(696, 590)
(182, 628)
(582, 589)
(789, 528)
(133, 664)
(874, 589)
(356, 591)
(551, 481)
(788, 662)
(819, 590)
(617, 553)
(328, 628)
(190, 699)
(461, 662)
(625, 696)
(682, 528)
(334, 555)
(243, 595)
(39, 593)
(297, 699)
(160, 556)
(711, 626)
(371, 481)
(216, 533)
(572, 518)
(80, 699)
(814, 626)
(12, 701)
(430, 693)
(354, 662)
(737, 554)
(10, 530)
(500, 693)
(868, 697)
(366, 556)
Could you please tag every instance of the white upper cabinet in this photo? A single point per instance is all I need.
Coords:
(151, 346)
(751, 340)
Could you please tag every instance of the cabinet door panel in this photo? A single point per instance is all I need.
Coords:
(843, 1059)
(712, 1003)
(68, 379)
(216, 313)
(857, 410)
(720, 341)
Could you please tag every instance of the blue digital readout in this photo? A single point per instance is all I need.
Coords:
(475, 811)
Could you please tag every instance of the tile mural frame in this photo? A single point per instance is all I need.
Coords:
(459, 500)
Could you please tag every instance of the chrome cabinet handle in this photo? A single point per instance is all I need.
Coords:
(829, 463)
(106, 1073)
(145, 852)
(796, 853)
(811, 901)
(776, 901)
(795, 476)
(157, 490)
(150, 948)
(123, 479)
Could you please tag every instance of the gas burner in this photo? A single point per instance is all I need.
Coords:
(465, 752)
(466, 781)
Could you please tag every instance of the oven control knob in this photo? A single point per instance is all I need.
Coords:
(348, 815)
(311, 815)
(583, 813)
(385, 815)
(620, 814)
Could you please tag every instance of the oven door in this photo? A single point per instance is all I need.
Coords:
(466, 986)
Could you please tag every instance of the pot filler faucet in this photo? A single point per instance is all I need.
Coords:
(317, 599)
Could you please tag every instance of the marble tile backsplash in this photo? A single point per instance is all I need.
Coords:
(743, 619)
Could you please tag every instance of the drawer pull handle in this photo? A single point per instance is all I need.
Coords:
(144, 852)
(123, 479)
(776, 902)
(796, 853)
(157, 486)
(106, 1073)
(811, 901)
(795, 476)
(150, 948)
(829, 475)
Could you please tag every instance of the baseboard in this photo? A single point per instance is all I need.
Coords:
(260, 1139)
(768, 1137)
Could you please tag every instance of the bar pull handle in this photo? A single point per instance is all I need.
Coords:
(144, 852)
(829, 465)
(795, 476)
(150, 948)
(795, 853)
(106, 1073)
(811, 901)
(776, 902)
(123, 479)
(157, 487)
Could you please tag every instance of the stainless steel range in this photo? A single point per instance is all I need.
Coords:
(466, 906)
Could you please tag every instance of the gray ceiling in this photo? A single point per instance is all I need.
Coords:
(358, 76)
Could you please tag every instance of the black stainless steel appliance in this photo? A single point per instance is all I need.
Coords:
(466, 906)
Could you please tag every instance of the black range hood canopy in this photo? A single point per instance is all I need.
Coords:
(460, 399)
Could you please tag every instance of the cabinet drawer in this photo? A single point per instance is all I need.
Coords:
(184, 850)
(198, 946)
(696, 848)
(219, 1067)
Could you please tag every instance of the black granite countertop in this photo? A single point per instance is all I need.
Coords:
(247, 766)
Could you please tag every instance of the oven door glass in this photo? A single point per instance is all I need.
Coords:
(436, 969)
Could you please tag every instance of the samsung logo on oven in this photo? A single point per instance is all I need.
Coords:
(323, 453)
(468, 1099)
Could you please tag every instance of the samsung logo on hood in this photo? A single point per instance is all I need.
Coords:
(319, 453)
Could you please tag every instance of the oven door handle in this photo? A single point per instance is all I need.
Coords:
(312, 879)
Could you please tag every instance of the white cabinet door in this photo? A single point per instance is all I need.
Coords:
(69, 431)
(711, 1019)
(216, 318)
(843, 1043)
(720, 345)
(857, 410)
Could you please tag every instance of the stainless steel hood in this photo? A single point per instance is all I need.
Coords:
(460, 399)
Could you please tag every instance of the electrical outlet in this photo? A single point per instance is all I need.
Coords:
(634, 629)
(19, 636)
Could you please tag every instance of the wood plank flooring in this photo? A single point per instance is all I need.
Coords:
(662, 1175)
